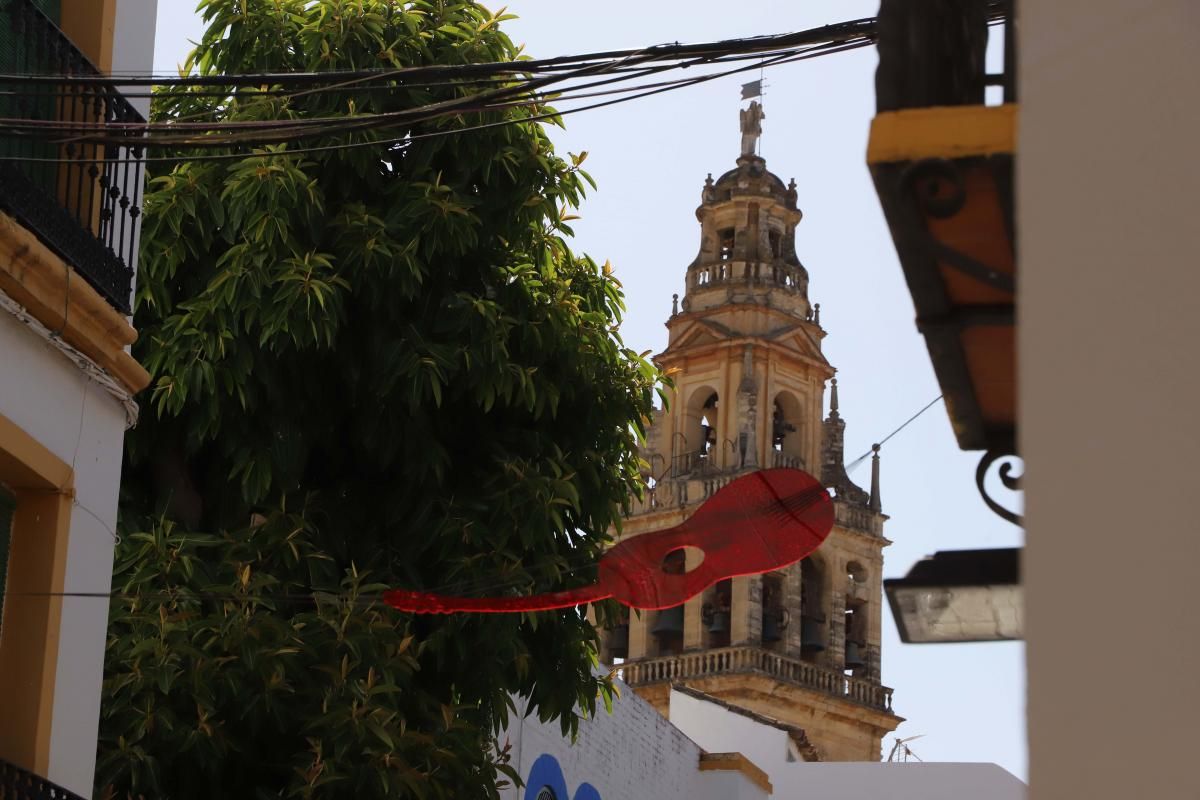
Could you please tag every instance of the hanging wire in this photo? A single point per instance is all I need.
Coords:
(834, 33)
(853, 464)
(403, 140)
(527, 93)
(620, 64)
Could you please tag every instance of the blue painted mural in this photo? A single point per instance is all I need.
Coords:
(547, 774)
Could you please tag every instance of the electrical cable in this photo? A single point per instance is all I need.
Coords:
(294, 128)
(710, 52)
(787, 58)
(881, 442)
(863, 27)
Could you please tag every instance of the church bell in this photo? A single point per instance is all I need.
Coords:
(719, 622)
(618, 641)
(810, 635)
(854, 659)
(773, 624)
(670, 622)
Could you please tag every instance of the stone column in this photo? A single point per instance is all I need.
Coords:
(791, 602)
(835, 652)
(874, 626)
(747, 406)
(754, 623)
(640, 645)
(693, 624)
(746, 611)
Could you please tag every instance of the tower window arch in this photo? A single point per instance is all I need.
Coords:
(717, 614)
(697, 442)
(725, 239)
(708, 425)
(668, 623)
(774, 615)
(855, 629)
(787, 439)
(812, 609)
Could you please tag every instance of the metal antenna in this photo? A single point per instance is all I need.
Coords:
(904, 750)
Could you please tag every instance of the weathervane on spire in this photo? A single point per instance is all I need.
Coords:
(751, 118)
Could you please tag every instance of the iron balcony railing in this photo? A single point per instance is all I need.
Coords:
(81, 200)
(20, 784)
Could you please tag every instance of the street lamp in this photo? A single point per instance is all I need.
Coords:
(959, 596)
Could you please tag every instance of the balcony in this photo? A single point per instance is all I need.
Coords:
(19, 784)
(81, 200)
(755, 660)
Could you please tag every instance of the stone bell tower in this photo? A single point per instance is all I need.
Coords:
(800, 644)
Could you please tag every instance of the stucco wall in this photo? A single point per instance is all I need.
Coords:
(719, 730)
(48, 398)
(1107, 180)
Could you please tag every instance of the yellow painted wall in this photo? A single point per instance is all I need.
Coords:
(90, 24)
(41, 484)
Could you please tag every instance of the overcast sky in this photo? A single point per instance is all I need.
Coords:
(650, 158)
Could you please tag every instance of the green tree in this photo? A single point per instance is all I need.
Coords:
(373, 366)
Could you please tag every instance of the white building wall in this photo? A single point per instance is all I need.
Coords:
(49, 398)
(908, 781)
(133, 54)
(632, 754)
(719, 730)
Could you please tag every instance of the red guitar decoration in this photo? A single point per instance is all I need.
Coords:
(757, 523)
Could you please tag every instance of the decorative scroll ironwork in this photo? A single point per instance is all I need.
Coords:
(82, 201)
(20, 784)
(1010, 482)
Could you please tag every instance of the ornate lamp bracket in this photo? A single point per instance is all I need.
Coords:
(1006, 460)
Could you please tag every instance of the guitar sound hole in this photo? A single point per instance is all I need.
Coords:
(675, 562)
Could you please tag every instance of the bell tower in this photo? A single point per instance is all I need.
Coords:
(744, 350)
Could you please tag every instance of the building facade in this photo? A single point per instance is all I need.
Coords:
(69, 219)
(744, 352)
(712, 751)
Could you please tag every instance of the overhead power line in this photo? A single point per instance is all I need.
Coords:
(859, 28)
(528, 83)
(290, 130)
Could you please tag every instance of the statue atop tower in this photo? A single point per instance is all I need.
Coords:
(751, 124)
